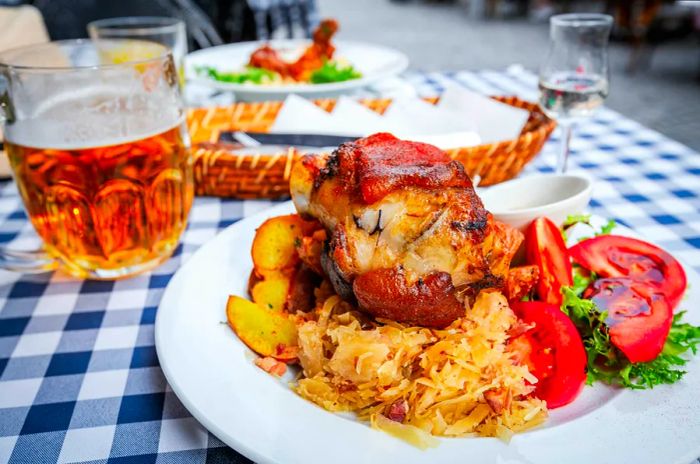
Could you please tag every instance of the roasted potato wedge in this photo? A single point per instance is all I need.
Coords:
(277, 278)
(253, 279)
(264, 331)
(272, 290)
(289, 290)
(275, 243)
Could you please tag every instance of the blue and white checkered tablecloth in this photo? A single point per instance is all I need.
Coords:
(79, 375)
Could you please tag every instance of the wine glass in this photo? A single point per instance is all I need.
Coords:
(574, 77)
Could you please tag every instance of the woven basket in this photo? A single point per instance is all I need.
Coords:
(219, 171)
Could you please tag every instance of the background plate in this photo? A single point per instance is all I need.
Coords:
(213, 374)
(373, 61)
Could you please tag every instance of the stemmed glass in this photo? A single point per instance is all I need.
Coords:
(574, 77)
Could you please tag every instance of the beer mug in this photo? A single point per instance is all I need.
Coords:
(100, 153)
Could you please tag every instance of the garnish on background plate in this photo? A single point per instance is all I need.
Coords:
(248, 74)
(267, 65)
(332, 71)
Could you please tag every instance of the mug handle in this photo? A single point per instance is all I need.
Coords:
(27, 262)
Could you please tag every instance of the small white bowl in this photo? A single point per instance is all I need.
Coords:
(517, 202)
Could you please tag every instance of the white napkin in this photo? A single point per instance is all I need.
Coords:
(495, 121)
(461, 119)
(418, 120)
(300, 116)
(408, 118)
(358, 118)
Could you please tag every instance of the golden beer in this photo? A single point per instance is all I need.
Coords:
(114, 209)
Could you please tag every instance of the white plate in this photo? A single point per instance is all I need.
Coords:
(213, 374)
(373, 61)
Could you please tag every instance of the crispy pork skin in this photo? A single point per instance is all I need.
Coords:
(408, 238)
(429, 301)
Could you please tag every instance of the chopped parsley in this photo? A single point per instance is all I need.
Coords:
(607, 364)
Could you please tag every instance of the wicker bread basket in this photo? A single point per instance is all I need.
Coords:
(219, 171)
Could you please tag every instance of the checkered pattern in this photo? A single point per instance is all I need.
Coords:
(79, 376)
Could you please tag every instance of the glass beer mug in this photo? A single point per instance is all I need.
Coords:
(100, 153)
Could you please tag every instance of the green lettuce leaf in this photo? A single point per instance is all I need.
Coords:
(248, 74)
(332, 71)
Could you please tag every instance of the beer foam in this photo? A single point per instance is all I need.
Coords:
(49, 135)
(94, 117)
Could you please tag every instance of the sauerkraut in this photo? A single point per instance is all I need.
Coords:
(454, 382)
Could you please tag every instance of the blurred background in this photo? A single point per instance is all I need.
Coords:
(654, 56)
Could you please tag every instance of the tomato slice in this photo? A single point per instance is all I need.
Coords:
(553, 351)
(639, 317)
(545, 247)
(618, 256)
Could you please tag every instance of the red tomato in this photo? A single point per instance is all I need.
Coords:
(618, 256)
(553, 351)
(545, 247)
(639, 317)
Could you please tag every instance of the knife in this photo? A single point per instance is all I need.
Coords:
(294, 140)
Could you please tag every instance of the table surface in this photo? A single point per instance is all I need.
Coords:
(79, 375)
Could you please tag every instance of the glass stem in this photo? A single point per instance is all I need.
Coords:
(564, 147)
